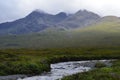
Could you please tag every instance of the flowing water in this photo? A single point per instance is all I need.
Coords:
(62, 69)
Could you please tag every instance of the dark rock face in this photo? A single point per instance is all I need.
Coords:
(80, 19)
(34, 22)
(38, 21)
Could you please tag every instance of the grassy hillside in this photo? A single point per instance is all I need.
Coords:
(105, 33)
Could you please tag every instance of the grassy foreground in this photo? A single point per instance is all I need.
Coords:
(33, 62)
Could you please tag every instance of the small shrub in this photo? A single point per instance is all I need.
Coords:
(106, 69)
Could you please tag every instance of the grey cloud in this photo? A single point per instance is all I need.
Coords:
(15, 9)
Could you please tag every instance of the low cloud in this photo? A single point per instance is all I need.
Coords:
(15, 9)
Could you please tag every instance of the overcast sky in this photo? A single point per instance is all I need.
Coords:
(15, 9)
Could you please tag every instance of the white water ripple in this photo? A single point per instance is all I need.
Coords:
(59, 70)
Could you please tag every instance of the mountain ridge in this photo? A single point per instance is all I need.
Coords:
(80, 19)
(34, 22)
(105, 32)
(38, 21)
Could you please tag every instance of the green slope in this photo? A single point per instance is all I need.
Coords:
(105, 33)
(106, 24)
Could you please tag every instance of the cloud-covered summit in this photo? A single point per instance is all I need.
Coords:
(14, 9)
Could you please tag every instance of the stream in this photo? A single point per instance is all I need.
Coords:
(59, 70)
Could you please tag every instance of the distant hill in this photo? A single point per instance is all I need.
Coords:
(38, 21)
(104, 33)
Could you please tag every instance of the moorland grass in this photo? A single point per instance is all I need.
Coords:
(34, 61)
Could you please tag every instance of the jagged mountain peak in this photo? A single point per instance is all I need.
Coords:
(83, 11)
(61, 14)
(80, 19)
(86, 13)
(40, 11)
(37, 13)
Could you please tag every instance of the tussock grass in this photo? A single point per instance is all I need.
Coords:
(36, 61)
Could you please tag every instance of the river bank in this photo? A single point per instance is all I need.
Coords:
(34, 62)
(60, 70)
(101, 73)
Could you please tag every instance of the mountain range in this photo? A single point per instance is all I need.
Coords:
(38, 21)
(42, 30)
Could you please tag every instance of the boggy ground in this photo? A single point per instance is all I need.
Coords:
(35, 61)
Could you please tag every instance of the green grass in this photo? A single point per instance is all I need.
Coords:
(105, 33)
(35, 61)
